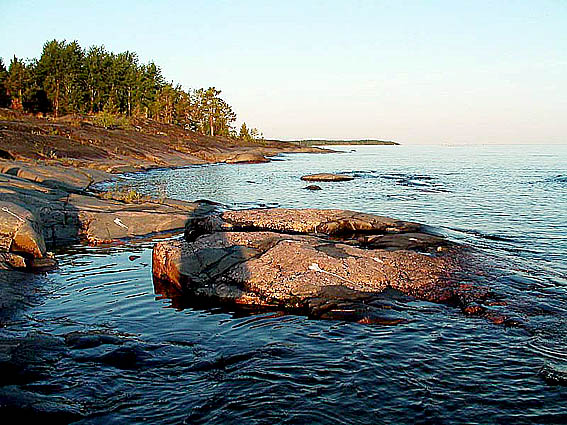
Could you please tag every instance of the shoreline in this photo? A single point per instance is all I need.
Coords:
(323, 142)
(48, 169)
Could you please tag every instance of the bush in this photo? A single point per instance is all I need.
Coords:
(112, 121)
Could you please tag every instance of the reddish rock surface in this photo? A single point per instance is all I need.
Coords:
(305, 260)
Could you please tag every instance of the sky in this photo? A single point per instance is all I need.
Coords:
(451, 72)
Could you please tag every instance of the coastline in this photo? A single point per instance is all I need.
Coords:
(48, 167)
(323, 142)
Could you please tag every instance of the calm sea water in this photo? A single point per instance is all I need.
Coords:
(142, 357)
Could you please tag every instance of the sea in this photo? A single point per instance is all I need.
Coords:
(95, 342)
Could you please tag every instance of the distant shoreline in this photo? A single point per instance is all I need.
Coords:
(314, 142)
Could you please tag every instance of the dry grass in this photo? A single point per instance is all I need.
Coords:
(127, 195)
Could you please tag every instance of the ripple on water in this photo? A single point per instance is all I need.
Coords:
(147, 356)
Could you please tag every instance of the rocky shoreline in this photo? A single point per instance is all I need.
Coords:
(48, 167)
(43, 207)
(323, 263)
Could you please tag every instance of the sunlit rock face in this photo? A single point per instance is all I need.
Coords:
(313, 261)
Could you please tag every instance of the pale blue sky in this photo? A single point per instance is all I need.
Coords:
(411, 71)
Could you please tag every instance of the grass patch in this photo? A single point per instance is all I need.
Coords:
(130, 195)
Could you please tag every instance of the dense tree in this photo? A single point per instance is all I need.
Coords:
(249, 135)
(17, 82)
(211, 113)
(69, 79)
(97, 64)
(4, 98)
(51, 71)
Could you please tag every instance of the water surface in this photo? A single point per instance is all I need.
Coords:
(142, 357)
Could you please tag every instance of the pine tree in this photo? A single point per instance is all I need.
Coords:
(4, 98)
(244, 134)
(17, 82)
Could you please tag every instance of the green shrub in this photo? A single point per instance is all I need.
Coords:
(112, 121)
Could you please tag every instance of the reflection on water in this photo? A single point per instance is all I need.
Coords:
(95, 342)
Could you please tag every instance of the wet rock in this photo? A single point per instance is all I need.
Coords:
(82, 340)
(553, 375)
(29, 407)
(27, 359)
(4, 154)
(412, 240)
(127, 357)
(42, 264)
(298, 260)
(316, 221)
(327, 177)
(9, 261)
(312, 187)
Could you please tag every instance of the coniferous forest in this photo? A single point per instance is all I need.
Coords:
(68, 79)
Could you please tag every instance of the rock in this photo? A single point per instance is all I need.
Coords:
(9, 261)
(403, 241)
(20, 232)
(4, 154)
(29, 240)
(294, 259)
(33, 214)
(327, 177)
(309, 220)
(69, 179)
(247, 158)
(312, 187)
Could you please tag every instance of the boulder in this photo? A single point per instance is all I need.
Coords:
(326, 177)
(20, 232)
(303, 260)
(247, 158)
(312, 187)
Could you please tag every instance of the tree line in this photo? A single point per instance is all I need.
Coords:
(69, 79)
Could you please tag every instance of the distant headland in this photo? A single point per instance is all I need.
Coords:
(318, 142)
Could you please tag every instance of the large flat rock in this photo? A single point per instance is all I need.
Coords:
(304, 260)
(328, 222)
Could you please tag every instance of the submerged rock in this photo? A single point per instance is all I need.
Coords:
(327, 177)
(312, 187)
(301, 259)
(553, 375)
